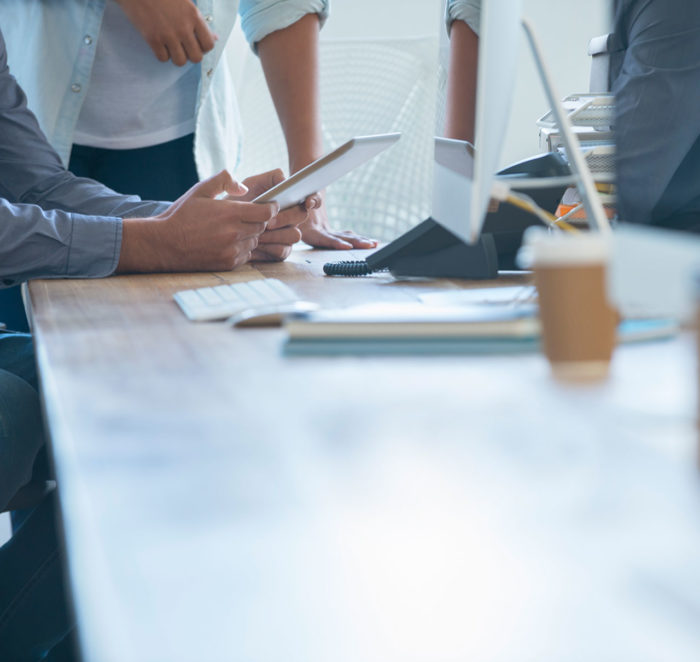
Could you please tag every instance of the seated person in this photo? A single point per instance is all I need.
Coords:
(34, 614)
(655, 76)
(142, 99)
(54, 224)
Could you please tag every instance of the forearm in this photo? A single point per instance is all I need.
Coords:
(143, 248)
(462, 83)
(290, 61)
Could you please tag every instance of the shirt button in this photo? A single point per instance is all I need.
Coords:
(75, 87)
(87, 39)
(208, 18)
(210, 72)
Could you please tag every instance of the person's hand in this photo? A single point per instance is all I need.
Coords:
(316, 232)
(282, 232)
(174, 29)
(198, 232)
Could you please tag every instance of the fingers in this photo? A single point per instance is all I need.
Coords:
(219, 184)
(176, 52)
(204, 36)
(258, 184)
(159, 50)
(276, 245)
(290, 217)
(237, 253)
(193, 50)
(320, 237)
(356, 240)
(287, 236)
(271, 253)
(199, 41)
(313, 202)
(249, 212)
(185, 47)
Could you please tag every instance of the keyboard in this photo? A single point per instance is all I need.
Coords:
(256, 302)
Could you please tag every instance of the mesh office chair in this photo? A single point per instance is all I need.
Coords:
(366, 87)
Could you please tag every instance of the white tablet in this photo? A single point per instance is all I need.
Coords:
(324, 171)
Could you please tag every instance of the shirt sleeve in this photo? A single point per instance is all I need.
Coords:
(261, 17)
(468, 11)
(35, 243)
(52, 223)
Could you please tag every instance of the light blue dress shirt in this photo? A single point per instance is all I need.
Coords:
(52, 224)
(51, 46)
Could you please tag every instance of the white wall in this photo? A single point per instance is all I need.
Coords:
(371, 19)
(564, 28)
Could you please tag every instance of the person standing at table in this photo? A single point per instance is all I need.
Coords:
(138, 94)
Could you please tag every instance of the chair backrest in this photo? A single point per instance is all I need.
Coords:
(367, 86)
(598, 49)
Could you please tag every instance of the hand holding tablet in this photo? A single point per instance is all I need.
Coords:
(318, 175)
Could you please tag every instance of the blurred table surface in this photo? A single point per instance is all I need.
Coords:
(222, 501)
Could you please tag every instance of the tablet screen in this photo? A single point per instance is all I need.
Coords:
(324, 171)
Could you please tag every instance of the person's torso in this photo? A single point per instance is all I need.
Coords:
(52, 48)
(134, 100)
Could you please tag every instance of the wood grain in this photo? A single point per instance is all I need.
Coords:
(223, 502)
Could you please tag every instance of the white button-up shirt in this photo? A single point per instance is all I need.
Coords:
(51, 47)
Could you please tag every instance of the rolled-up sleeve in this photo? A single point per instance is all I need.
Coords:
(261, 17)
(468, 11)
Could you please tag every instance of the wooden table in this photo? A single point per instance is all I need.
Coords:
(224, 502)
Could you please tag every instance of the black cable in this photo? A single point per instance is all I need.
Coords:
(348, 268)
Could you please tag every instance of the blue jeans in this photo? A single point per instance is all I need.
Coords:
(35, 621)
(20, 415)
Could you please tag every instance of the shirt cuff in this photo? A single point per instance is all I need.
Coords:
(95, 246)
(468, 11)
(259, 19)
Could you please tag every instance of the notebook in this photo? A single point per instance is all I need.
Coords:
(415, 328)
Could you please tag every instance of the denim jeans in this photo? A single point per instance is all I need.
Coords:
(21, 434)
(35, 621)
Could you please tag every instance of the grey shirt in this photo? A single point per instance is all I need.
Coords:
(52, 224)
(655, 76)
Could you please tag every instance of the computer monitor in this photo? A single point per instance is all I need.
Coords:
(499, 50)
(499, 47)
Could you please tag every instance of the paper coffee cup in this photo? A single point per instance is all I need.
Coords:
(578, 323)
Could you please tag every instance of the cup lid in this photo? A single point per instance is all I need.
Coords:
(541, 247)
